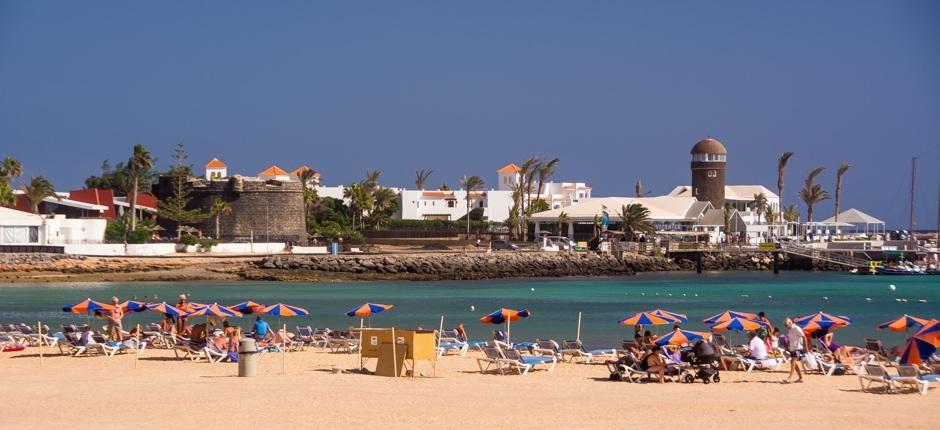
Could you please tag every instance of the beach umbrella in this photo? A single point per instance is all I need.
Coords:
(917, 351)
(214, 310)
(166, 309)
(647, 318)
(87, 306)
(133, 306)
(682, 337)
(903, 323)
(282, 310)
(922, 344)
(822, 321)
(727, 315)
(505, 315)
(682, 318)
(739, 324)
(367, 309)
(930, 332)
(247, 307)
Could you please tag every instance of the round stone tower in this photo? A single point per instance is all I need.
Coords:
(709, 157)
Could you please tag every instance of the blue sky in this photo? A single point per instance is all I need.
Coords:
(618, 90)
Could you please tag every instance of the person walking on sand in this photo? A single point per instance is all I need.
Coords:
(115, 315)
(797, 342)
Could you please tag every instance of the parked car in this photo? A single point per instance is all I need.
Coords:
(562, 242)
(502, 245)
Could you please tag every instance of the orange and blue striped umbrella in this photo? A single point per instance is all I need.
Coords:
(682, 337)
(505, 314)
(740, 324)
(86, 306)
(930, 332)
(917, 351)
(367, 309)
(903, 323)
(214, 310)
(247, 307)
(727, 315)
(682, 318)
(282, 310)
(166, 309)
(647, 318)
(133, 306)
(822, 321)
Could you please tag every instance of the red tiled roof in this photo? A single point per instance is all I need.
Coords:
(509, 168)
(296, 172)
(216, 164)
(273, 171)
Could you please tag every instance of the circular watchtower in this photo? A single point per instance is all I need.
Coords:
(709, 158)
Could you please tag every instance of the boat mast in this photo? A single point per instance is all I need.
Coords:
(913, 175)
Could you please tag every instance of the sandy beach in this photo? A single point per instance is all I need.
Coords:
(96, 392)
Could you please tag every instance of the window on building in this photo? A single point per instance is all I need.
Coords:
(451, 203)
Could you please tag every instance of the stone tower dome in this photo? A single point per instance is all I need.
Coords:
(709, 158)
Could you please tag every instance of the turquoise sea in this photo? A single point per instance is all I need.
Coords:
(554, 303)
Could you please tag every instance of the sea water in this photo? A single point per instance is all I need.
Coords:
(554, 303)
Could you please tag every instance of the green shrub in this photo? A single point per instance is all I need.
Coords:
(189, 240)
(206, 244)
(139, 235)
(114, 231)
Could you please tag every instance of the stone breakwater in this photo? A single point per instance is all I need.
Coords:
(451, 266)
(454, 266)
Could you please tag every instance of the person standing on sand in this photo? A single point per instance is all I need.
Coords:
(115, 315)
(797, 341)
(184, 306)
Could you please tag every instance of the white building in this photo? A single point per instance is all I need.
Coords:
(452, 205)
(741, 199)
(24, 228)
(667, 214)
(556, 194)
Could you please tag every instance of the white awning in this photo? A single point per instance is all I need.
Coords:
(13, 217)
(855, 216)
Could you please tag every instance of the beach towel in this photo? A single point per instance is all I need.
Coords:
(13, 348)
(232, 357)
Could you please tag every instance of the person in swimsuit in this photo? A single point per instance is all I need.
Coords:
(653, 363)
(115, 315)
(233, 334)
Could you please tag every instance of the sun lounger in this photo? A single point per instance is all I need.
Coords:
(909, 375)
(628, 369)
(491, 357)
(548, 347)
(522, 364)
(875, 346)
(575, 350)
(876, 373)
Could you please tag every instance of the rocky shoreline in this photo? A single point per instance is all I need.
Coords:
(451, 266)
(425, 266)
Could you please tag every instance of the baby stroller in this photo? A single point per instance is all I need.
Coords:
(702, 360)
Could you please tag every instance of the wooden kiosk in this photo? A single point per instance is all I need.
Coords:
(394, 356)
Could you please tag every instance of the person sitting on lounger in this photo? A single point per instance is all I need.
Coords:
(198, 335)
(261, 328)
(461, 332)
(653, 363)
(233, 334)
(648, 338)
(841, 353)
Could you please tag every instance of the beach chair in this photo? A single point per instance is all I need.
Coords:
(513, 359)
(491, 357)
(769, 363)
(875, 347)
(628, 368)
(305, 335)
(321, 337)
(448, 342)
(548, 347)
(909, 375)
(875, 373)
(826, 366)
(575, 349)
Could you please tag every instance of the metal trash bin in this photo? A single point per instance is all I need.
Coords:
(248, 358)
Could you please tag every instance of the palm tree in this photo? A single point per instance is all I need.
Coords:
(10, 168)
(470, 184)
(138, 165)
(36, 190)
(7, 198)
(563, 219)
(726, 214)
(812, 193)
(638, 187)
(545, 171)
(635, 218)
(839, 173)
(526, 171)
(781, 172)
(769, 215)
(219, 207)
(359, 200)
(310, 194)
(444, 187)
(421, 177)
(760, 204)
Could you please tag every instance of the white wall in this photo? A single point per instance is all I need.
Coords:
(496, 209)
(162, 249)
(60, 230)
